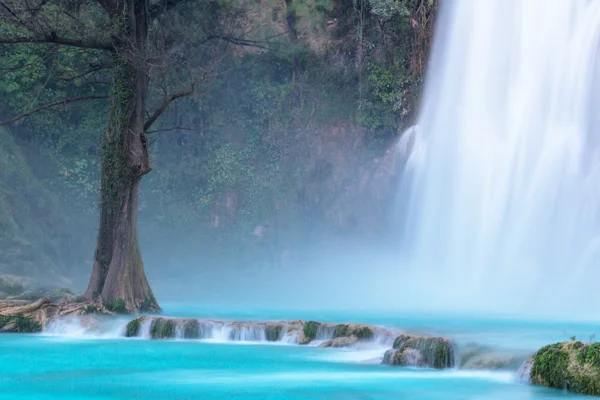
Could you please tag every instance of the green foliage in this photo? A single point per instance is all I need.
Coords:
(118, 306)
(162, 328)
(148, 305)
(191, 329)
(21, 324)
(574, 366)
(273, 333)
(363, 333)
(436, 352)
(133, 328)
(340, 331)
(26, 325)
(310, 329)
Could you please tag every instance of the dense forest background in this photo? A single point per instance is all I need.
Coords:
(287, 148)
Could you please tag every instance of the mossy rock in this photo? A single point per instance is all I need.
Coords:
(273, 332)
(191, 329)
(422, 351)
(133, 328)
(341, 330)
(573, 365)
(363, 333)
(310, 330)
(162, 329)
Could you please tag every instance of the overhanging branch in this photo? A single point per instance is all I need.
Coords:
(166, 103)
(49, 106)
(176, 128)
(52, 38)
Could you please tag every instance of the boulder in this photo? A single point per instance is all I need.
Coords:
(573, 365)
(344, 341)
(421, 351)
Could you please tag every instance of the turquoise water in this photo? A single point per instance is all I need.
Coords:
(67, 365)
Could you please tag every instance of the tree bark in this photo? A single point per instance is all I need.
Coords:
(118, 272)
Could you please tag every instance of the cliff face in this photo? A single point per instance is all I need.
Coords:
(295, 148)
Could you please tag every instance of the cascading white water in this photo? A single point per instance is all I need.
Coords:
(503, 176)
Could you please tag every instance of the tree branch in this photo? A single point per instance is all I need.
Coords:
(239, 42)
(166, 103)
(47, 106)
(52, 38)
(176, 128)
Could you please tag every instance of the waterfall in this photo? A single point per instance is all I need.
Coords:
(500, 189)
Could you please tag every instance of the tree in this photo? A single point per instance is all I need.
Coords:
(144, 43)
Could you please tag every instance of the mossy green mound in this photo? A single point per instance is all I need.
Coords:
(133, 327)
(162, 329)
(310, 329)
(573, 366)
(191, 329)
(273, 332)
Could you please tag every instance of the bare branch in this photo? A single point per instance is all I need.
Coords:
(176, 128)
(238, 41)
(52, 38)
(166, 103)
(49, 106)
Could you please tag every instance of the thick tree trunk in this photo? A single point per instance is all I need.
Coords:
(118, 275)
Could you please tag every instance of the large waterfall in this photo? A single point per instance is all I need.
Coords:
(501, 188)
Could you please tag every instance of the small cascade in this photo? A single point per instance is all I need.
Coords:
(421, 351)
(247, 334)
(325, 332)
(86, 327)
(369, 340)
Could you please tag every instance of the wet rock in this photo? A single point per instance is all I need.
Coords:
(310, 331)
(273, 333)
(133, 327)
(573, 365)
(340, 342)
(524, 372)
(191, 329)
(162, 328)
(480, 357)
(421, 351)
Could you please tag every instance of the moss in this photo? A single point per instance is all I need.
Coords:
(363, 333)
(273, 333)
(340, 330)
(574, 366)
(27, 325)
(310, 329)
(435, 352)
(162, 329)
(118, 306)
(133, 328)
(5, 320)
(21, 324)
(90, 309)
(191, 330)
(149, 304)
